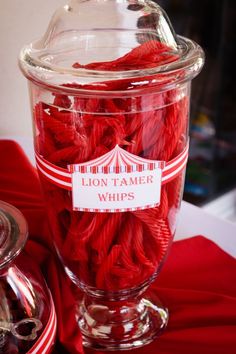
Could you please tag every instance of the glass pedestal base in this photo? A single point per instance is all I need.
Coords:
(120, 325)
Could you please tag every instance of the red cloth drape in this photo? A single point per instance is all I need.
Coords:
(197, 282)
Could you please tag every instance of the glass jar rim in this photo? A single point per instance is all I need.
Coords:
(185, 68)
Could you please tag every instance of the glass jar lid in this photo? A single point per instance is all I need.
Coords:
(13, 233)
(83, 35)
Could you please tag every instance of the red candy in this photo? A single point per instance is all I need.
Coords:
(114, 251)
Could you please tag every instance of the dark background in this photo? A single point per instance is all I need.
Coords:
(212, 165)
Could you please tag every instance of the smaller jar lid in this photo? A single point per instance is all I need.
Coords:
(13, 233)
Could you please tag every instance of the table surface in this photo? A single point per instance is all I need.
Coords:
(192, 220)
(195, 221)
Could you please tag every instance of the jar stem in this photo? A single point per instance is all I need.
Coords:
(126, 324)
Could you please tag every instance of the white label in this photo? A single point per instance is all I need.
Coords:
(115, 182)
(116, 192)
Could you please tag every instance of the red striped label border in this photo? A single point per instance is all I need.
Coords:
(46, 340)
(175, 166)
(63, 177)
(91, 210)
(58, 176)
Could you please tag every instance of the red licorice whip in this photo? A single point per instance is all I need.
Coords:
(113, 251)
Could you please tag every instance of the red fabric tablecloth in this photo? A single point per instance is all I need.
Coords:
(197, 282)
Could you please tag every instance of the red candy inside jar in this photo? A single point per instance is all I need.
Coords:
(113, 251)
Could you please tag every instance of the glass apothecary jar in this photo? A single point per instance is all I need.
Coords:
(110, 90)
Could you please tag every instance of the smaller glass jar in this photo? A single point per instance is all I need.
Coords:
(27, 314)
